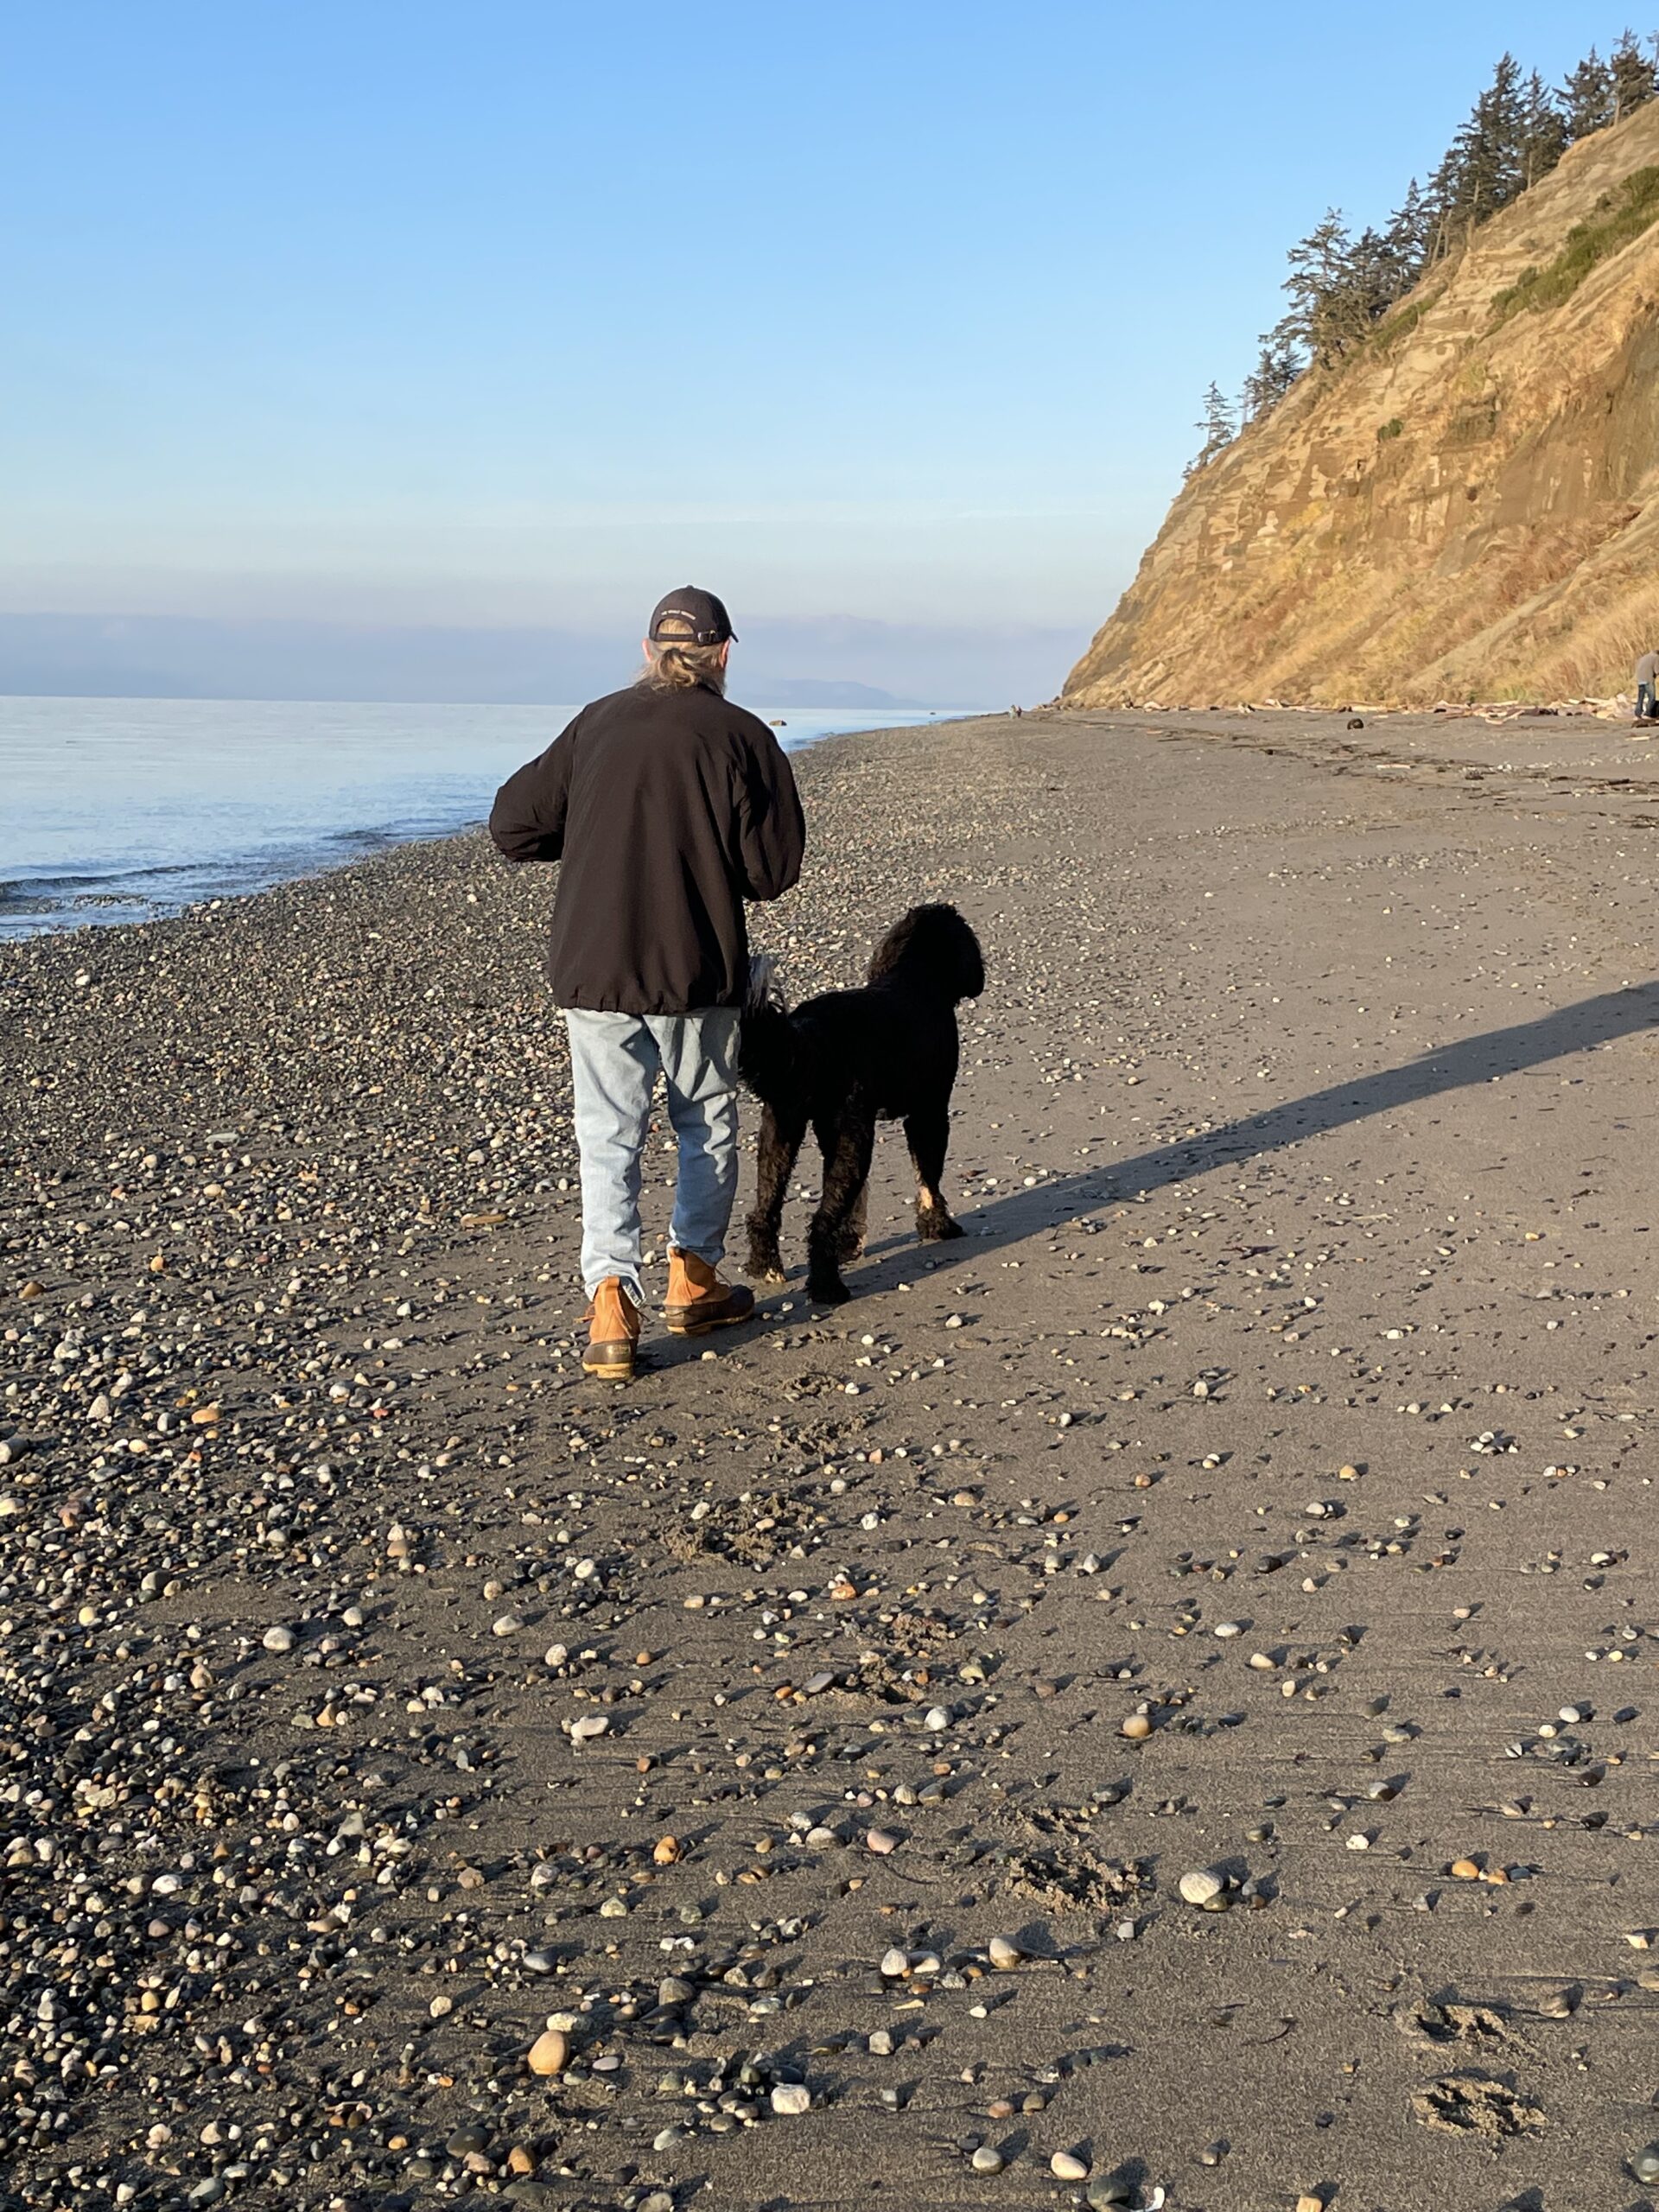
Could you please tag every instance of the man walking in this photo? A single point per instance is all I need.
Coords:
(1647, 688)
(669, 808)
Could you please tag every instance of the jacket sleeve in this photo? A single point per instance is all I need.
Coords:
(527, 821)
(771, 830)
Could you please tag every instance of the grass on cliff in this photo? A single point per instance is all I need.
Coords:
(1587, 244)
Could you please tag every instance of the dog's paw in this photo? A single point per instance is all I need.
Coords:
(849, 1248)
(833, 1291)
(935, 1226)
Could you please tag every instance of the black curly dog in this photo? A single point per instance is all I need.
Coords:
(844, 1061)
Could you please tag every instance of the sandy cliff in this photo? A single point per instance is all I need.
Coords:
(1467, 507)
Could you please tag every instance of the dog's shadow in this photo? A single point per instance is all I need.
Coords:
(1046, 1206)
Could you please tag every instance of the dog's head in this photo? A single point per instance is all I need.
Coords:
(935, 946)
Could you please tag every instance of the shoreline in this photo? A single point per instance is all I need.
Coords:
(382, 1689)
(252, 841)
(1426, 743)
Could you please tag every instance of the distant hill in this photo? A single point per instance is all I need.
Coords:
(1465, 506)
(826, 691)
(885, 667)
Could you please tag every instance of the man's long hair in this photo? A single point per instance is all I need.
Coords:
(671, 667)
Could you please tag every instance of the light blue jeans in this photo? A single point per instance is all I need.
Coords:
(615, 1062)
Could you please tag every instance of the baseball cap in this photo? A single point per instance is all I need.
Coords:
(691, 617)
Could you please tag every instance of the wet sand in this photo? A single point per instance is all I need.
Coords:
(1287, 1407)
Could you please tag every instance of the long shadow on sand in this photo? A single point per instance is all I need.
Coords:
(1494, 1053)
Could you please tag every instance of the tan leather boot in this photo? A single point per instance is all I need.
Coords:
(698, 1300)
(613, 1332)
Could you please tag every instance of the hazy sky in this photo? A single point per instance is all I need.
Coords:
(512, 311)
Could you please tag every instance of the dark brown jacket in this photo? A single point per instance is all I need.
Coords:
(668, 809)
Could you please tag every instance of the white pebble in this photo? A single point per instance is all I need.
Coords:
(1200, 1886)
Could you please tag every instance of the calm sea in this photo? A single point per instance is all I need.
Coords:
(118, 810)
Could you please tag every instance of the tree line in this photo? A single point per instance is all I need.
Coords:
(1341, 284)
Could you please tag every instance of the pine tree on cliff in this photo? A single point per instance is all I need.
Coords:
(1633, 78)
(1277, 367)
(1321, 276)
(1587, 97)
(1484, 169)
(1544, 133)
(1219, 426)
(1408, 239)
(1371, 283)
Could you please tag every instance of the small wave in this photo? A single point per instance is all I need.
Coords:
(34, 890)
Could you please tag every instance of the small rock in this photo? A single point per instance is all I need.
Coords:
(790, 2098)
(1201, 1886)
(986, 2160)
(551, 2052)
(278, 1639)
(881, 1841)
(1065, 2165)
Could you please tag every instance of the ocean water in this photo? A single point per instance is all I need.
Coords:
(120, 809)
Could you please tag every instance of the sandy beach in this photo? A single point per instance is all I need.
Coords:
(808, 1743)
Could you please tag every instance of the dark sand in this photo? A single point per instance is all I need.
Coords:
(1306, 1126)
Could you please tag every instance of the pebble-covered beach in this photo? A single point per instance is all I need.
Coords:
(1154, 1704)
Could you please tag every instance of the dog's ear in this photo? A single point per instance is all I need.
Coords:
(896, 943)
(970, 962)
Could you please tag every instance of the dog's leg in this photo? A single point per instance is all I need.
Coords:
(778, 1146)
(852, 1236)
(927, 1133)
(847, 1144)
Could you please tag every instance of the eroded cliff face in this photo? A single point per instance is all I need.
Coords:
(1466, 508)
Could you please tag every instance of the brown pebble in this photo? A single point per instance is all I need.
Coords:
(549, 2053)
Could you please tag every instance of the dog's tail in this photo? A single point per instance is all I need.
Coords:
(768, 1046)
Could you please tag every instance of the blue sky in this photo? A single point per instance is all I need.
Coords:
(512, 312)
